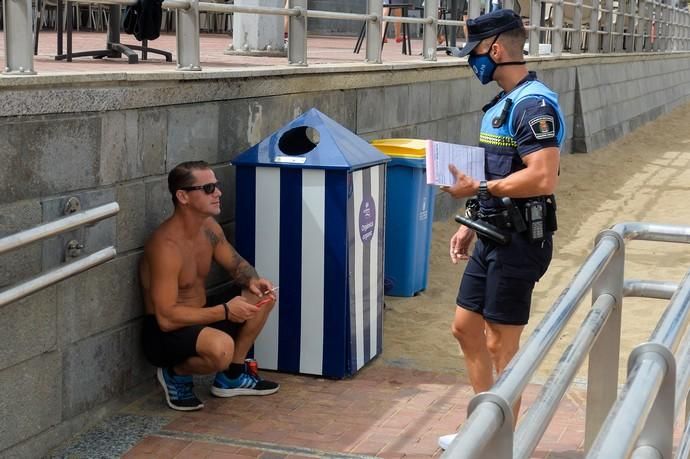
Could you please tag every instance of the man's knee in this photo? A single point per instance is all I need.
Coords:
(467, 333)
(500, 346)
(218, 350)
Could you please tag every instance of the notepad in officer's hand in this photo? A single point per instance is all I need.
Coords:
(439, 155)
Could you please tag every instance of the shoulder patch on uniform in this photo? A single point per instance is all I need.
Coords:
(542, 127)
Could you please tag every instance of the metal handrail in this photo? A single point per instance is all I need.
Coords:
(15, 241)
(56, 275)
(650, 364)
(536, 420)
(26, 237)
(665, 31)
(617, 436)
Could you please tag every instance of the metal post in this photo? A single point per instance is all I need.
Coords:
(667, 28)
(620, 26)
(188, 54)
(557, 35)
(534, 22)
(639, 25)
(602, 376)
(18, 39)
(374, 31)
(593, 43)
(658, 430)
(686, 33)
(661, 27)
(475, 8)
(647, 25)
(576, 41)
(491, 432)
(297, 34)
(429, 42)
(632, 21)
(675, 16)
(655, 27)
(608, 27)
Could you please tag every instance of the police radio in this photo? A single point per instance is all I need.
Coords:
(535, 212)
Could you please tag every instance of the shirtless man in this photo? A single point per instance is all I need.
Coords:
(184, 332)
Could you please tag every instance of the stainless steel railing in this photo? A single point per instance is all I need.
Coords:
(638, 422)
(580, 26)
(21, 239)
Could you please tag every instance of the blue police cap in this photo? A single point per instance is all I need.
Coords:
(485, 26)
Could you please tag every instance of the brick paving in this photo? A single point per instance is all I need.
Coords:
(383, 411)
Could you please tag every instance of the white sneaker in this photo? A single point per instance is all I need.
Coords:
(444, 441)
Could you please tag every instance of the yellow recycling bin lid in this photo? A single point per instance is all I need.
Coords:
(402, 148)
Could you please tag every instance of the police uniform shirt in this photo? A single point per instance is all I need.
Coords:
(535, 123)
(515, 124)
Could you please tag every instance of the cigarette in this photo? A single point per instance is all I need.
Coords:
(273, 290)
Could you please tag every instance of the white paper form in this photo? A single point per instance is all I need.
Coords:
(469, 160)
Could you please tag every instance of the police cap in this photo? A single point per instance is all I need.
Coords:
(485, 26)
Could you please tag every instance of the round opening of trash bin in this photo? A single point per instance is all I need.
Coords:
(299, 140)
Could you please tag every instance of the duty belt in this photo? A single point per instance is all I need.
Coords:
(499, 220)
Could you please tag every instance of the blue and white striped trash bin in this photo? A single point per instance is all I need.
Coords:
(310, 217)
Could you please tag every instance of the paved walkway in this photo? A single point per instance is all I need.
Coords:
(383, 411)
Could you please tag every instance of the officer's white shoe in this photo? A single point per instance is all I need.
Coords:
(444, 441)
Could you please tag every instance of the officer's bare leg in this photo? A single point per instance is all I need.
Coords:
(251, 328)
(503, 342)
(215, 349)
(468, 329)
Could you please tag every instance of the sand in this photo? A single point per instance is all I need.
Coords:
(644, 176)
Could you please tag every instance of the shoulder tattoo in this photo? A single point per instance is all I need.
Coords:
(212, 237)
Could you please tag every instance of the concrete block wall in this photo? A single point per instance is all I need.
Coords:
(68, 352)
(615, 97)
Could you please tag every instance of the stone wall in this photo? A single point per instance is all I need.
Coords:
(615, 97)
(70, 351)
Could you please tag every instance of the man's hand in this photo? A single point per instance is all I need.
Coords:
(460, 243)
(464, 184)
(259, 286)
(240, 310)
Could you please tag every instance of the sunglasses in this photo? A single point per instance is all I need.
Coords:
(208, 188)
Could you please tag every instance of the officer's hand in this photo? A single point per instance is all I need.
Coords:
(240, 310)
(464, 184)
(460, 244)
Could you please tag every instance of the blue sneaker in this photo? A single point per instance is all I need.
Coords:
(179, 393)
(245, 384)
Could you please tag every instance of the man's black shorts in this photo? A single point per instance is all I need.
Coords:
(167, 349)
(499, 279)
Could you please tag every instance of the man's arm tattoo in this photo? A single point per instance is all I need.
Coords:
(242, 272)
(212, 237)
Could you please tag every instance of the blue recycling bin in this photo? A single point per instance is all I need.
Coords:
(310, 202)
(409, 217)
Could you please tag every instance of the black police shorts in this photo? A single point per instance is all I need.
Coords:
(167, 349)
(499, 279)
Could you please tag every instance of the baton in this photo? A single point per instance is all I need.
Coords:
(485, 229)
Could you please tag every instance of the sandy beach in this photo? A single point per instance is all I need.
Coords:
(643, 176)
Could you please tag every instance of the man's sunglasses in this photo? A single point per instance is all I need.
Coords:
(208, 188)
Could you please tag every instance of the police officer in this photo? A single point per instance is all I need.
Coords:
(521, 132)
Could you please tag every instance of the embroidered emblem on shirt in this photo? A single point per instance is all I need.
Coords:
(542, 127)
